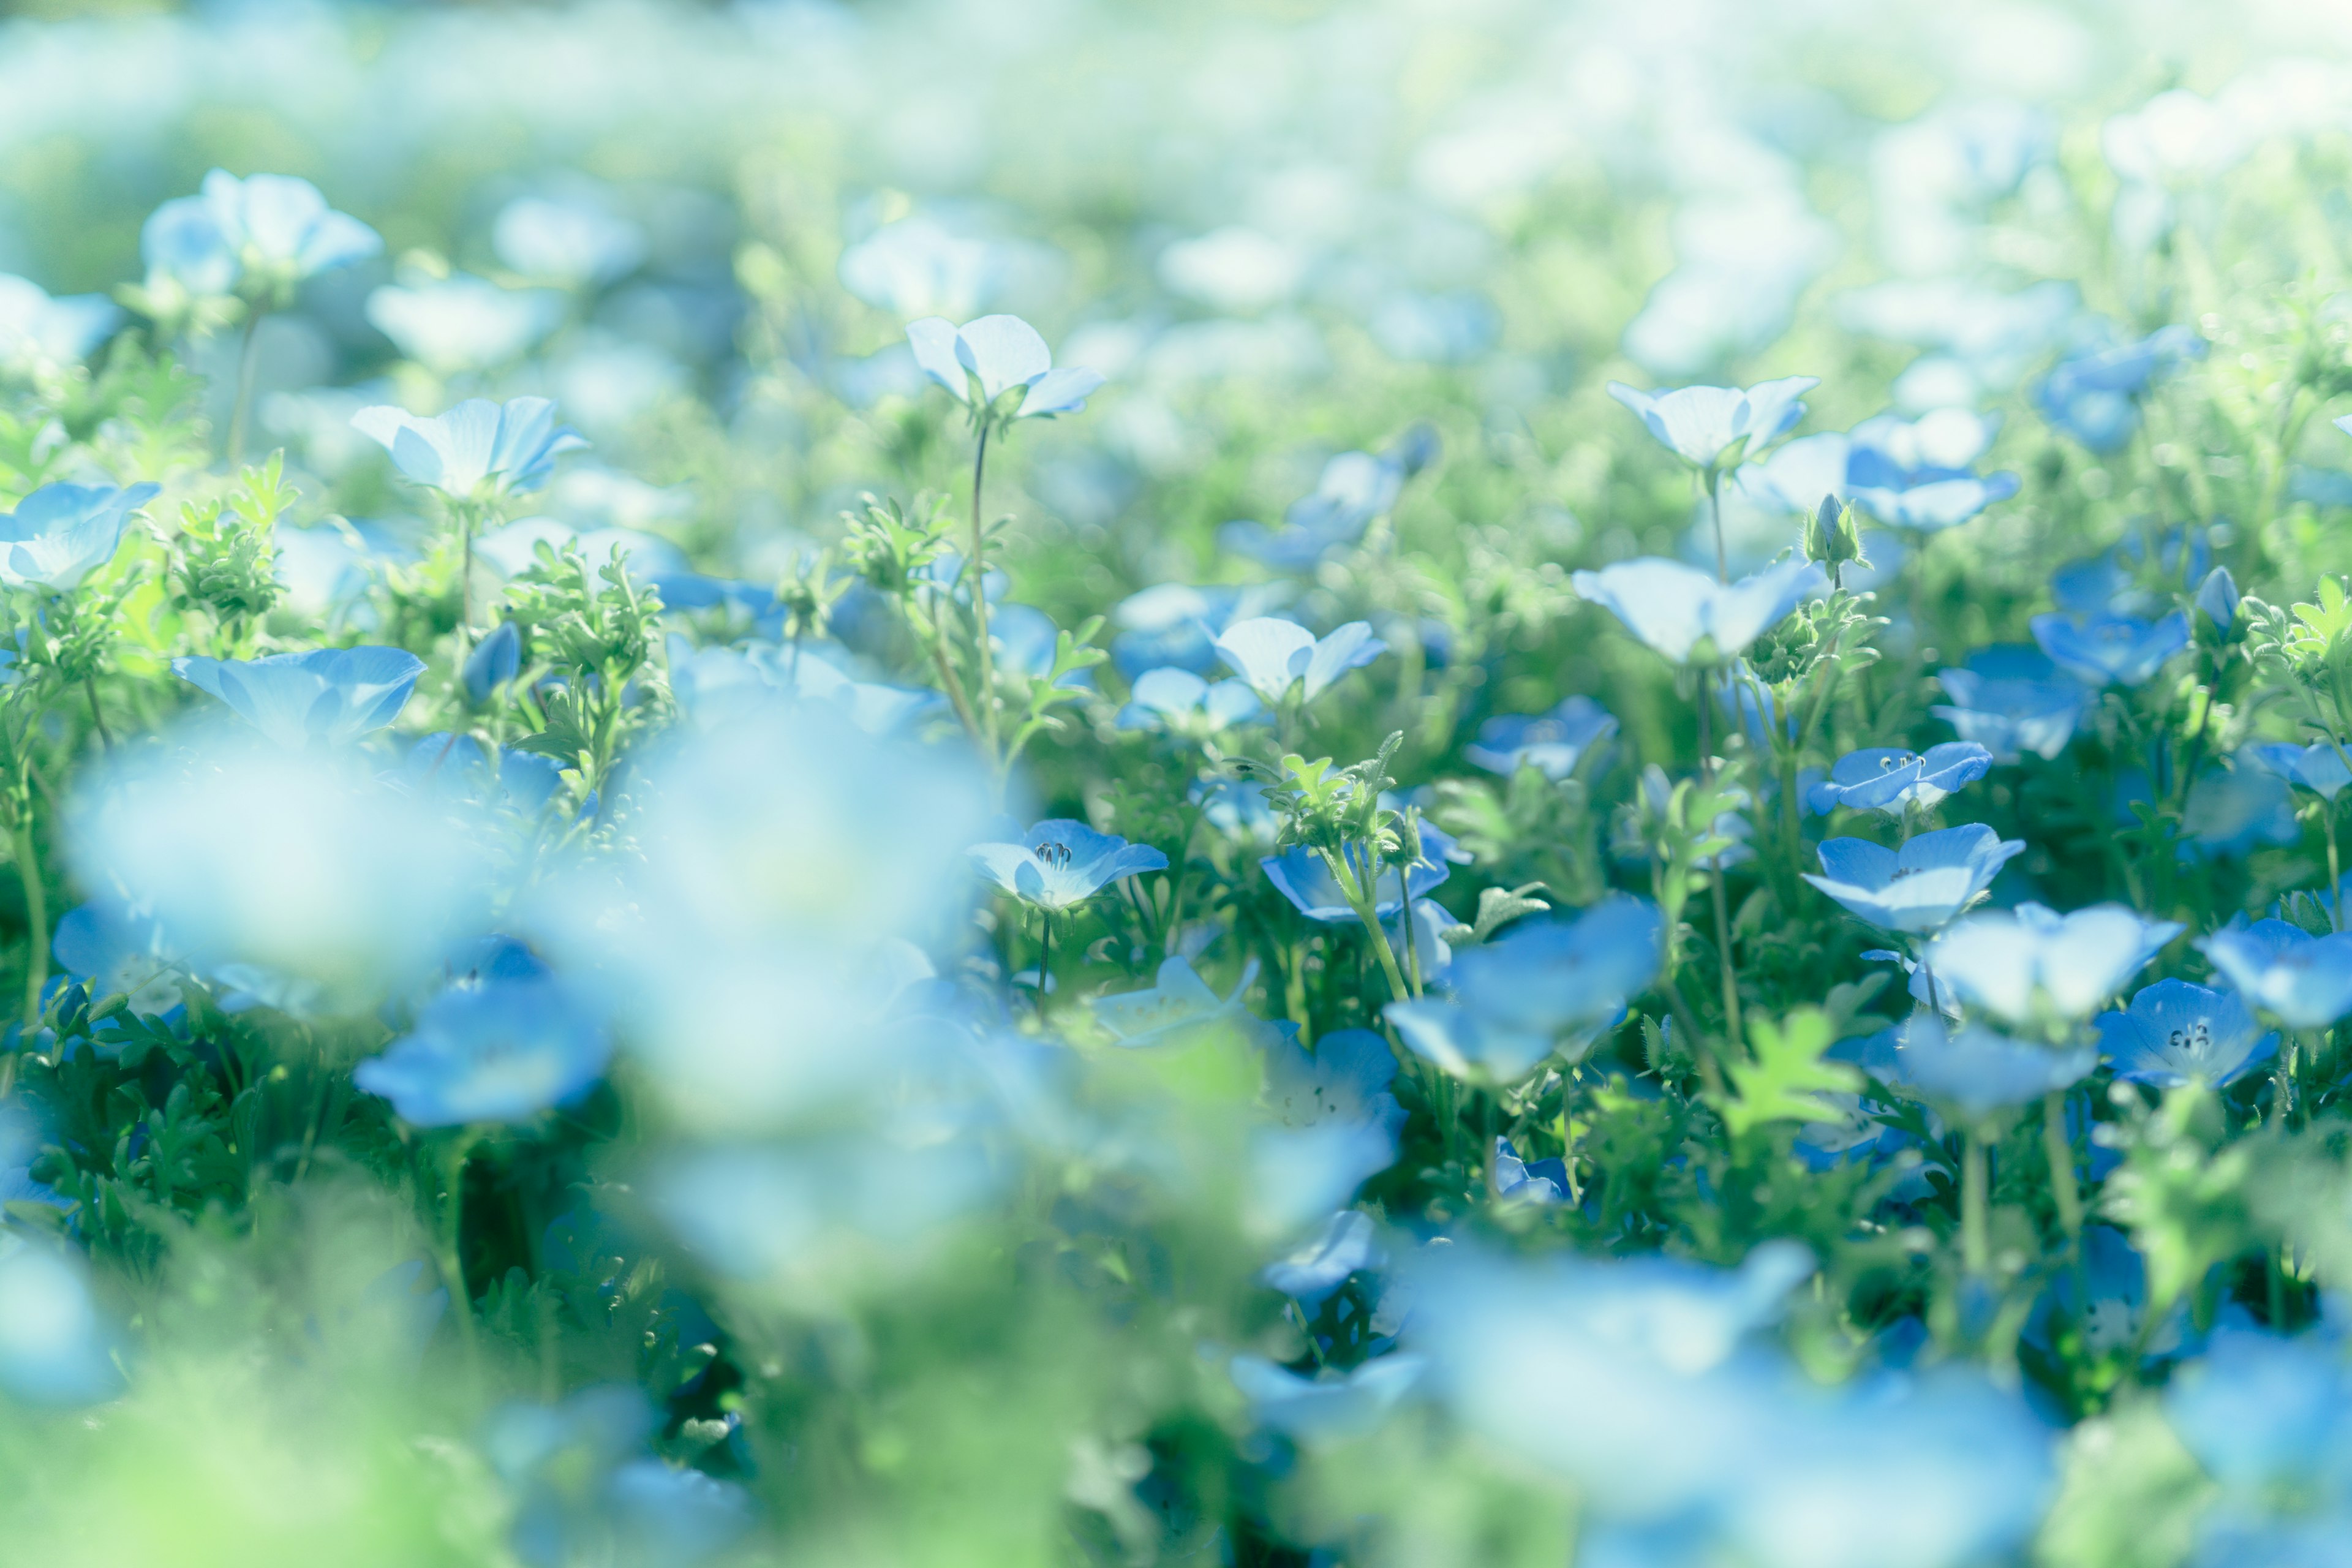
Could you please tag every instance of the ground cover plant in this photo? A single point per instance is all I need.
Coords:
(1371, 784)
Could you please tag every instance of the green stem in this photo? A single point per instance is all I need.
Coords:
(1733, 1033)
(1715, 510)
(1044, 960)
(1366, 904)
(2335, 867)
(241, 412)
(97, 718)
(2283, 1083)
(36, 918)
(1976, 1247)
(977, 570)
(452, 1261)
(2060, 1149)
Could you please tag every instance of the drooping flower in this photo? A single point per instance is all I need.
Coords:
(1539, 990)
(1310, 1272)
(59, 535)
(478, 449)
(2305, 982)
(1977, 1071)
(1892, 781)
(1274, 655)
(1060, 863)
(326, 697)
(2017, 961)
(1921, 886)
(2110, 650)
(1182, 702)
(979, 362)
(2012, 700)
(2174, 1033)
(2319, 767)
(1685, 615)
(1552, 743)
(502, 1051)
(1707, 425)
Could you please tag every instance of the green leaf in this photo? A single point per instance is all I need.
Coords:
(1787, 1076)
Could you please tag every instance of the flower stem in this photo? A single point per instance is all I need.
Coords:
(1976, 1248)
(1715, 510)
(1733, 1032)
(241, 412)
(36, 918)
(451, 1259)
(2061, 1152)
(97, 718)
(977, 569)
(2282, 1084)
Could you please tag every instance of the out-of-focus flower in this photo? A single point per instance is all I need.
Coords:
(572, 242)
(449, 766)
(2302, 980)
(1178, 1007)
(497, 1052)
(476, 448)
(2231, 810)
(1329, 1405)
(1685, 615)
(2095, 396)
(979, 362)
(2016, 962)
(54, 1347)
(584, 1491)
(496, 660)
(1176, 624)
(116, 955)
(1892, 781)
(1309, 1273)
(36, 329)
(1552, 743)
(2318, 768)
(464, 323)
(1541, 1181)
(2111, 650)
(1935, 505)
(1273, 656)
(2175, 1033)
(1711, 427)
(261, 235)
(1300, 875)
(915, 266)
(2011, 701)
(1977, 1071)
(2216, 597)
(1059, 863)
(1539, 989)
(1921, 886)
(1182, 702)
(1354, 489)
(59, 535)
(327, 697)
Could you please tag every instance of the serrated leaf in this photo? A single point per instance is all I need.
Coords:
(1785, 1076)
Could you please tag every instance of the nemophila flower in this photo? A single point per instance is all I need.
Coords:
(572, 241)
(2016, 962)
(1543, 1182)
(1345, 1078)
(1856, 1134)
(2263, 1415)
(1295, 1175)
(2175, 1033)
(263, 232)
(1060, 863)
(1706, 425)
(1180, 702)
(1178, 1005)
(2111, 650)
(2318, 768)
(502, 1051)
(476, 448)
(1354, 489)
(496, 660)
(582, 1488)
(2231, 810)
(2012, 700)
(54, 1347)
(1540, 990)
(327, 697)
(1273, 656)
(36, 329)
(1308, 1274)
(463, 324)
(1330, 1405)
(1300, 875)
(1977, 1071)
(1552, 743)
(2095, 396)
(59, 535)
(1892, 781)
(447, 766)
(2217, 596)
(118, 954)
(2305, 982)
(2107, 1298)
(981, 361)
(1920, 887)
(915, 265)
(1934, 505)
(1175, 624)
(1684, 613)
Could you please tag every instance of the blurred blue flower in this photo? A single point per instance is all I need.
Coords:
(1300, 876)
(1345, 1078)
(2319, 767)
(2305, 982)
(1684, 613)
(2095, 396)
(54, 1347)
(1180, 702)
(502, 1051)
(2011, 700)
(1354, 489)
(1060, 863)
(271, 230)
(573, 241)
(2231, 810)
(1934, 505)
(584, 1491)
(1544, 1182)
(1273, 656)
(1538, 991)
(2174, 1033)
(449, 766)
(1886, 779)
(1452, 328)
(1977, 1071)
(476, 448)
(496, 660)
(1552, 743)
(2218, 598)
(1348, 1243)
(981, 361)
(2265, 1416)
(1706, 425)
(36, 329)
(915, 266)
(1178, 1005)
(117, 954)
(1920, 887)
(2109, 1298)
(2018, 961)
(60, 534)
(1176, 624)
(326, 697)
(1025, 639)
(1334, 1404)
(2108, 649)
(464, 323)
(1295, 1175)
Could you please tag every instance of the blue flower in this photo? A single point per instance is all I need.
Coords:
(54, 1347)
(2305, 982)
(1354, 489)
(2093, 396)
(464, 323)
(1935, 504)
(1274, 655)
(2319, 767)
(1345, 1077)
(2217, 596)
(501, 1051)
(1176, 624)
(2016, 961)
(1544, 1183)
(36, 329)
(1179, 702)
(2231, 810)
(2175, 1033)
(496, 660)
(2108, 649)
(1330, 1403)
(981, 361)
(1707, 425)
(2011, 701)
(449, 766)
(328, 696)
(118, 954)
(1178, 1005)
(1684, 613)
(268, 231)
(916, 265)
(1539, 989)
(1894, 782)
(1977, 1071)
(1552, 743)
(1921, 886)
(476, 448)
(61, 534)
(1300, 876)
(584, 1491)
(574, 242)
(1308, 1274)
(1060, 863)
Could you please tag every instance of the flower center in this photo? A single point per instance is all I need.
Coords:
(1058, 856)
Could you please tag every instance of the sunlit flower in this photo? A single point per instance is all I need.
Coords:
(2016, 961)
(979, 362)
(1707, 427)
(59, 535)
(1059, 864)
(327, 697)
(1273, 656)
(1920, 887)
(476, 447)
(2174, 1033)
(1684, 613)
(2305, 982)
